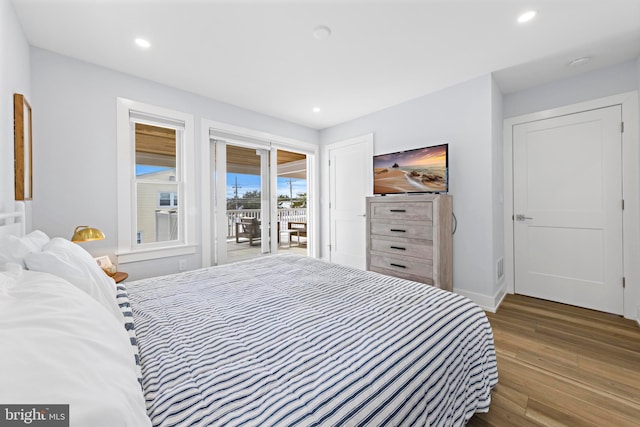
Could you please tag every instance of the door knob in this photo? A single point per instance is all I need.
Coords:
(521, 217)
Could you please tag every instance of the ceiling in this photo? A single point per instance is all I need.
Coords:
(262, 55)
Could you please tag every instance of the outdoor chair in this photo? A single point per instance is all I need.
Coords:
(248, 228)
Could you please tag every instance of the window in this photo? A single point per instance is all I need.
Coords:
(167, 200)
(157, 179)
(154, 145)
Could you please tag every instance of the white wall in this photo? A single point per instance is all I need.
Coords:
(75, 145)
(619, 78)
(461, 116)
(14, 78)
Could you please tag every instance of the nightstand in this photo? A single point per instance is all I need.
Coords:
(120, 276)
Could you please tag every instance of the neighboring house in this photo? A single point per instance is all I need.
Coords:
(157, 208)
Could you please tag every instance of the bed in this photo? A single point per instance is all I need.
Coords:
(65, 333)
(281, 340)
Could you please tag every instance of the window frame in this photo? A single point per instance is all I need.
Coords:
(128, 249)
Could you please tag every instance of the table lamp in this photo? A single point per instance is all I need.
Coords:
(84, 233)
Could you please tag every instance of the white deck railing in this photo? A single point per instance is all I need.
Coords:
(284, 216)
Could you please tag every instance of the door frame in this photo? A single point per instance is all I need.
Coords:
(326, 194)
(226, 131)
(630, 189)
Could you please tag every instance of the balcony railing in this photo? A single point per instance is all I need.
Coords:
(284, 217)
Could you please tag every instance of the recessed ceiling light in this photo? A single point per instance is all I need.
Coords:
(321, 32)
(143, 43)
(579, 61)
(527, 16)
(316, 109)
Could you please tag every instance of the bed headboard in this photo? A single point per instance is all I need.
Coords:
(13, 223)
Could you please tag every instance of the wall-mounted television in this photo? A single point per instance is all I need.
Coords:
(422, 170)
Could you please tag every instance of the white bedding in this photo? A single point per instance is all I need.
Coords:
(287, 340)
(60, 346)
(71, 262)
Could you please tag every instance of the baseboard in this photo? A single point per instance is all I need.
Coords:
(486, 302)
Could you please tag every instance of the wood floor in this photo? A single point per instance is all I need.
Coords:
(560, 365)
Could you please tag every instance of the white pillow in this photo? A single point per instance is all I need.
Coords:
(14, 249)
(60, 346)
(70, 261)
(36, 240)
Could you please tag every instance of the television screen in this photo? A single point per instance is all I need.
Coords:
(423, 170)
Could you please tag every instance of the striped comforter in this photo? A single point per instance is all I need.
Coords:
(287, 340)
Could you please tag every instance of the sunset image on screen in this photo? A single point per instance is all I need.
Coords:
(420, 170)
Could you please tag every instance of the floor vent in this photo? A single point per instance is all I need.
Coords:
(500, 269)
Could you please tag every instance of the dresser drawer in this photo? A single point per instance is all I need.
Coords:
(413, 211)
(406, 229)
(404, 265)
(403, 247)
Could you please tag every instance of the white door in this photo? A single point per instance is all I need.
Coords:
(350, 181)
(568, 209)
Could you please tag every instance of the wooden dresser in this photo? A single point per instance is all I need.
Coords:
(411, 237)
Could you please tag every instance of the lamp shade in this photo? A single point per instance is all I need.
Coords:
(84, 233)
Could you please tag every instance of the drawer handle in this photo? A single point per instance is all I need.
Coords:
(398, 210)
(398, 248)
(398, 230)
(398, 265)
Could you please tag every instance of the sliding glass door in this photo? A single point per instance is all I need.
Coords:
(292, 201)
(242, 207)
(260, 199)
